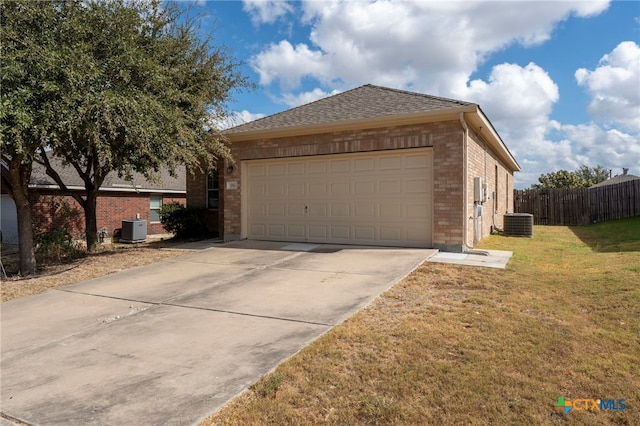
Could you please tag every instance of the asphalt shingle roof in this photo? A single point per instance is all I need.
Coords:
(70, 177)
(616, 179)
(364, 102)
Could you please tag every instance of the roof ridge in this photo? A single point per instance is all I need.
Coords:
(426, 95)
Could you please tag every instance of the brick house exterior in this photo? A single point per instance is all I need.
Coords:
(455, 136)
(118, 199)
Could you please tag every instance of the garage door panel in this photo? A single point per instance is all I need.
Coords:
(296, 231)
(258, 230)
(295, 189)
(420, 211)
(258, 209)
(390, 187)
(276, 230)
(364, 188)
(317, 167)
(364, 209)
(340, 189)
(417, 186)
(296, 169)
(318, 231)
(364, 165)
(391, 233)
(317, 210)
(391, 163)
(317, 189)
(390, 212)
(377, 198)
(340, 232)
(276, 209)
(296, 210)
(340, 209)
(341, 166)
(417, 162)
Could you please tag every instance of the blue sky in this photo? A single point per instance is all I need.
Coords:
(559, 80)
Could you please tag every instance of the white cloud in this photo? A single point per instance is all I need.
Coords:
(266, 11)
(425, 46)
(615, 87)
(239, 117)
(302, 98)
(434, 47)
(288, 64)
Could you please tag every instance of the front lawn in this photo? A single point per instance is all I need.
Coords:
(462, 345)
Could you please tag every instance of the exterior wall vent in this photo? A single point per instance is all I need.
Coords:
(518, 225)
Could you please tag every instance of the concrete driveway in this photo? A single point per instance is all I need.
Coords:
(171, 343)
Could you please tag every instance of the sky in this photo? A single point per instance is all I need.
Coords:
(559, 80)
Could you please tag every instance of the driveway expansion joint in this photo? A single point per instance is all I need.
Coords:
(178, 305)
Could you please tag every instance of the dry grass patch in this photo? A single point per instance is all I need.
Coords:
(461, 345)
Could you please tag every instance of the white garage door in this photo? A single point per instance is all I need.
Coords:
(8, 220)
(380, 198)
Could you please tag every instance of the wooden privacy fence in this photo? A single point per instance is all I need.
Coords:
(579, 206)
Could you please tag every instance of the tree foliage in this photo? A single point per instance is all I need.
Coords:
(584, 177)
(128, 85)
(26, 110)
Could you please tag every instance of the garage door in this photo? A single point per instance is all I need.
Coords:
(8, 220)
(381, 198)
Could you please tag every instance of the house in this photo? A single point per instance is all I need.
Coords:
(624, 177)
(369, 166)
(118, 199)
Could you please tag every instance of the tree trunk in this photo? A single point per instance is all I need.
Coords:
(20, 173)
(90, 220)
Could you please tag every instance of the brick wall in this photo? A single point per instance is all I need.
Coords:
(49, 207)
(499, 187)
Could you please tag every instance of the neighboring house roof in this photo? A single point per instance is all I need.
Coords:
(616, 179)
(370, 106)
(165, 183)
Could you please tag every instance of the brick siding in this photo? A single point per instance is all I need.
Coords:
(47, 207)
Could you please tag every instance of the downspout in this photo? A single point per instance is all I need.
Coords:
(465, 186)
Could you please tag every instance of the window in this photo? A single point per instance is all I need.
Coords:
(213, 190)
(155, 204)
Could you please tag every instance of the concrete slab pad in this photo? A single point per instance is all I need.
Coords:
(166, 365)
(492, 258)
(388, 262)
(155, 284)
(301, 247)
(35, 321)
(236, 256)
(309, 296)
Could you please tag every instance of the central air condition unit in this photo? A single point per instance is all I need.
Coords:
(134, 231)
(518, 225)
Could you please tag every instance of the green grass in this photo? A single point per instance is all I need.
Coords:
(461, 345)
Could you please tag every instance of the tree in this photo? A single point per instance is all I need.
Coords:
(134, 88)
(25, 109)
(592, 175)
(584, 177)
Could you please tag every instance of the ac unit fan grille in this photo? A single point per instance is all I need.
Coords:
(518, 225)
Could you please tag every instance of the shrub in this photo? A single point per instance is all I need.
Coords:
(183, 222)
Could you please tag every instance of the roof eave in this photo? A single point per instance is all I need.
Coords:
(368, 123)
(483, 127)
